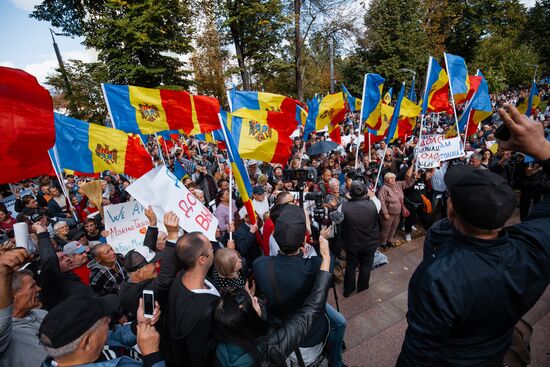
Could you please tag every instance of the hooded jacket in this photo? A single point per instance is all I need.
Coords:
(467, 294)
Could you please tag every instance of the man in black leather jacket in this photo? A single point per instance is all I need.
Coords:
(478, 278)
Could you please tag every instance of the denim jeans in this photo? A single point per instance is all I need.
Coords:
(336, 336)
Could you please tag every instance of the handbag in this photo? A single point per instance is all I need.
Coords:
(427, 207)
(404, 211)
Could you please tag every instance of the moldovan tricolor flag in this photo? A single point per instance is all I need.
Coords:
(267, 102)
(255, 140)
(90, 148)
(372, 97)
(237, 168)
(458, 77)
(26, 120)
(436, 92)
(147, 111)
(354, 103)
(330, 109)
(477, 110)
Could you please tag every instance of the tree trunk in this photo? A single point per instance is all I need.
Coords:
(298, 46)
(245, 75)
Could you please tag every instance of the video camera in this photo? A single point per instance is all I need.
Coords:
(300, 175)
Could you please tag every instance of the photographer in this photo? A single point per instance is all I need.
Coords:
(287, 279)
(360, 228)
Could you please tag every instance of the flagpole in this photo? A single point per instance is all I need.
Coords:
(361, 119)
(108, 106)
(160, 149)
(57, 169)
(368, 133)
(380, 168)
(419, 141)
(451, 92)
(230, 174)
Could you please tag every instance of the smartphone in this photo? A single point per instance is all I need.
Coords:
(148, 303)
(502, 133)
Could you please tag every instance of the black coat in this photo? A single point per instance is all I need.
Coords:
(360, 226)
(294, 278)
(56, 286)
(467, 294)
(283, 340)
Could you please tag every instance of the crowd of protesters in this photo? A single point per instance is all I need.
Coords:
(259, 298)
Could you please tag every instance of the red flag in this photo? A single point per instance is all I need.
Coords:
(26, 120)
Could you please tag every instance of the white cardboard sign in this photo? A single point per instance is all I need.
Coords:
(427, 155)
(450, 149)
(164, 192)
(126, 224)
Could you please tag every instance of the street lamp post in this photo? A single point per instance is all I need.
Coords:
(61, 65)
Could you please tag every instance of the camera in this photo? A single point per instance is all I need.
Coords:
(300, 175)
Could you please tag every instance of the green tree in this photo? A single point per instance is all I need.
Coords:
(255, 29)
(208, 59)
(138, 40)
(503, 63)
(537, 31)
(86, 100)
(394, 38)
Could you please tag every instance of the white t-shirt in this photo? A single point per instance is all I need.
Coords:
(261, 207)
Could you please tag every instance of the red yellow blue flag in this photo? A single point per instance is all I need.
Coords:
(237, 167)
(392, 129)
(255, 140)
(147, 111)
(354, 103)
(478, 109)
(436, 93)
(254, 100)
(458, 77)
(90, 148)
(330, 109)
(372, 97)
(530, 103)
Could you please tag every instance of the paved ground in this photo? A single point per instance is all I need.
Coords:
(376, 317)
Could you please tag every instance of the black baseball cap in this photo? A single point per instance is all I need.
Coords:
(290, 229)
(139, 257)
(482, 198)
(71, 318)
(258, 190)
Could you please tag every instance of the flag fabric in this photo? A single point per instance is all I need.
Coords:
(179, 171)
(387, 96)
(478, 109)
(334, 133)
(237, 167)
(372, 97)
(254, 100)
(412, 93)
(322, 112)
(258, 141)
(436, 93)
(147, 111)
(531, 103)
(80, 174)
(90, 148)
(475, 81)
(282, 122)
(395, 116)
(458, 77)
(407, 118)
(354, 104)
(27, 122)
(211, 137)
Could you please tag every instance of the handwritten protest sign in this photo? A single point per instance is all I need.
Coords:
(126, 224)
(450, 149)
(164, 192)
(174, 196)
(428, 151)
(9, 202)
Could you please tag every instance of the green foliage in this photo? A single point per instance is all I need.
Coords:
(86, 100)
(255, 28)
(394, 39)
(537, 31)
(503, 63)
(138, 40)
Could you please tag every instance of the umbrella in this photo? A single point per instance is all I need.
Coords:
(321, 147)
